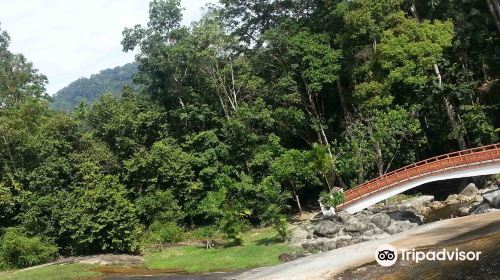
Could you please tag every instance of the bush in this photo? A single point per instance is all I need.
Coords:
(158, 205)
(273, 217)
(100, 218)
(233, 227)
(332, 199)
(19, 250)
(164, 232)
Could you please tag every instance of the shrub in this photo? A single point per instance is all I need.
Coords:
(273, 217)
(164, 232)
(281, 227)
(99, 218)
(233, 227)
(207, 233)
(332, 199)
(19, 250)
(158, 205)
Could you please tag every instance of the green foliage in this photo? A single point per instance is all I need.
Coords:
(101, 219)
(164, 232)
(19, 250)
(234, 227)
(158, 206)
(332, 199)
(231, 120)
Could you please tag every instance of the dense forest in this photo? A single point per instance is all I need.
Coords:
(242, 118)
(89, 90)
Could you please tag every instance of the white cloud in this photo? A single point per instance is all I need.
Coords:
(68, 39)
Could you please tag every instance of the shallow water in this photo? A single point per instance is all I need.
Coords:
(487, 268)
(448, 211)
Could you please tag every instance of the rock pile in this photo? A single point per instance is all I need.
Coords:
(381, 221)
(345, 229)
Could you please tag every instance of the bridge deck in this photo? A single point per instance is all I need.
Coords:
(443, 163)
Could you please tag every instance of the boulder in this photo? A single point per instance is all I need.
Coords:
(372, 232)
(405, 215)
(362, 217)
(366, 212)
(355, 240)
(343, 241)
(326, 228)
(381, 220)
(287, 257)
(400, 226)
(493, 198)
(436, 205)
(464, 211)
(452, 199)
(298, 236)
(489, 188)
(469, 190)
(482, 208)
(344, 217)
(417, 202)
(321, 244)
(356, 225)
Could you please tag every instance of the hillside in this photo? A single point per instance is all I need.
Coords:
(91, 89)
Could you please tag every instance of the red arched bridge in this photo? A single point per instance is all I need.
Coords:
(467, 163)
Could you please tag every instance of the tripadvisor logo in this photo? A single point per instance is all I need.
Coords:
(387, 255)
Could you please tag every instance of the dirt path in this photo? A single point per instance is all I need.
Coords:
(326, 265)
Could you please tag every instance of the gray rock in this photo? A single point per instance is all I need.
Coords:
(344, 217)
(452, 199)
(372, 232)
(356, 225)
(326, 229)
(298, 236)
(355, 240)
(493, 198)
(362, 217)
(343, 241)
(488, 188)
(464, 211)
(321, 244)
(469, 190)
(436, 205)
(417, 202)
(381, 220)
(483, 208)
(405, 215)
(366, 212)
(400, 226)
(382, 235)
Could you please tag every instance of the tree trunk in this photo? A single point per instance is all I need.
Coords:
(452, 113)
(343, 102)
(494, 7)
(452, 118)
(313, 112)
(296, 196)
(380, 161)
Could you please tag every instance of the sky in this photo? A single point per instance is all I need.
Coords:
(69, 39)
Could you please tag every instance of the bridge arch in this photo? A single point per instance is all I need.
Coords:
(467, 163)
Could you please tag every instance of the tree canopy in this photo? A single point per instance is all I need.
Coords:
(244, 117)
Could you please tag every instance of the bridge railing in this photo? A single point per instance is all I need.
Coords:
(449, 161)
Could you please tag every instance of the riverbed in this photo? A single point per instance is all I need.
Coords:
(329, 265)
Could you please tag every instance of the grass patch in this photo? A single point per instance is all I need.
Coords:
(53, 272)
(261, 248)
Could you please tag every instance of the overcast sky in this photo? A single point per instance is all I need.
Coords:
(69, 39)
